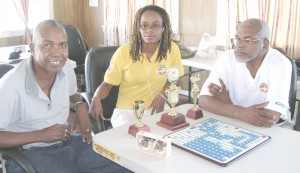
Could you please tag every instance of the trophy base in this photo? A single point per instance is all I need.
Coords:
(172, 122)
(194, 114)
(133, 129)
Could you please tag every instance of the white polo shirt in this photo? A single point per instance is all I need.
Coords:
(271, 83)
(25, 107)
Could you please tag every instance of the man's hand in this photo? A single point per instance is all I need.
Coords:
(84, 121)
(259, 116)
(57, 132)
(271, 113)
(220, 93)
(73, 123)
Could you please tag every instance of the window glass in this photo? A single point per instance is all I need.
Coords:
(9, 17)
(11, 21)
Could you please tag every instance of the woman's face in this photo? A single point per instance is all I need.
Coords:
(151, 27)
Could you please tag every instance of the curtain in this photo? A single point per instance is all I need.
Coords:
(119, 18)
(22, 9)
(282, 17)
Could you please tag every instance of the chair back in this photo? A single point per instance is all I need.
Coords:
(96, 63)
(297, 122)
(293, 88)
(76, 46)
(77, 51)
(4, 68)
(297, 113)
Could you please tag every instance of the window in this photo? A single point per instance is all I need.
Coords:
(282, 18)
(12, 24)
(119, 17)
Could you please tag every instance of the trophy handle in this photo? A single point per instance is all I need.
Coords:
(167, 93)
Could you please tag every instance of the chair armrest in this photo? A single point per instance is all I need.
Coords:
(19, 158)
(96, 126)
(87, 97)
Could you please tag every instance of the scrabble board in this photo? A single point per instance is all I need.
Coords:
(217, 141)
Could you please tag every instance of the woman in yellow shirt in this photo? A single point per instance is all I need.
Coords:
(140, 67)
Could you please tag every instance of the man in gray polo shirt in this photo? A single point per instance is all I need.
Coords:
(34, 108)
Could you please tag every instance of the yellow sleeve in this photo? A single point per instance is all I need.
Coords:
(113, 74)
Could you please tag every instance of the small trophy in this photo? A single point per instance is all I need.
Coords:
(138, 108)
(195, 112)
(172, 120)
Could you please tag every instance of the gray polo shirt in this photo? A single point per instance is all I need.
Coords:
(25, 107)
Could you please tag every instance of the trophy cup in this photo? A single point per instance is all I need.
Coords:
(195, 112)
(138, 108)
(172, 120)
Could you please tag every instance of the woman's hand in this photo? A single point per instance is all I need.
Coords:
(158, 104)
(96, 109)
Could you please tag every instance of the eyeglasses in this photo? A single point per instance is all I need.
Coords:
(245, 40)
(145, 27)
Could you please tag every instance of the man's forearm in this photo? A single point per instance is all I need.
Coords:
(15, 139)
(215, 106)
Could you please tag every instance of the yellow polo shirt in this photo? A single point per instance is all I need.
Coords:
(140, 80)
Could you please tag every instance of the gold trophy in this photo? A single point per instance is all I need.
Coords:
(195, 112)
(138, 107)
(172, 120)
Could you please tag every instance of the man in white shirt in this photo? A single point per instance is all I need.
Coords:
(252, 81)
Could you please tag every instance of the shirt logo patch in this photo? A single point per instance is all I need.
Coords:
(162, 69)
(110, 68)
(280, 104)
(263, 87)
